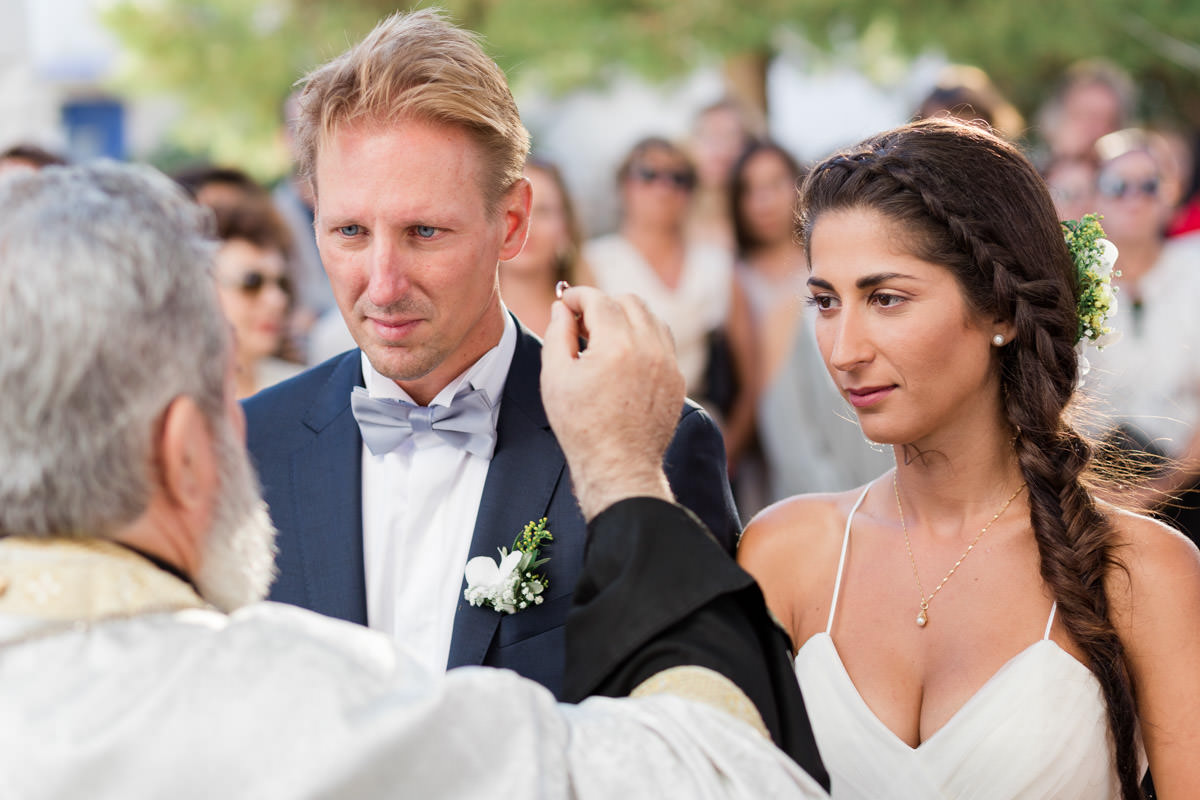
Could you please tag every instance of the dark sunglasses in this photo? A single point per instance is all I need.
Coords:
(684, 181)
(253, 282)
(1115, 186)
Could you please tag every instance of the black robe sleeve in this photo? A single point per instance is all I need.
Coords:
(657, 591)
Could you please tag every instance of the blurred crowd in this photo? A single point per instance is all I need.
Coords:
(706, 238)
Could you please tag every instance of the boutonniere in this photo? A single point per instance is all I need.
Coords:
(510, 585)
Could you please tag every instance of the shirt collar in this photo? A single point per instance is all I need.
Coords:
(489, 373)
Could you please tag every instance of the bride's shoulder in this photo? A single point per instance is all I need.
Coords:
(1158, 572)
(806, 511)
(1154, 605)
(809, 524)
(1147, 546)
(791, 548)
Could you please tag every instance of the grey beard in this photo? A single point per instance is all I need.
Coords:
(237, 564)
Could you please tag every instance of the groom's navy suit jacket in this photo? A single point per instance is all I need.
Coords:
(308, 451)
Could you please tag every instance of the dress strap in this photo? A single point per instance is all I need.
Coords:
(1050, 622)
(837, 584)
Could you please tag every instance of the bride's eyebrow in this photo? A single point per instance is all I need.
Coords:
(870, 281)
(865, 282)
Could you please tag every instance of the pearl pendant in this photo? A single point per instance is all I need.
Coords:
(922, 618)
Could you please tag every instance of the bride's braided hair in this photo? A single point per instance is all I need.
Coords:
(969, 201)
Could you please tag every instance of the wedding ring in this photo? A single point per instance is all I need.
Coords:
(559, 288)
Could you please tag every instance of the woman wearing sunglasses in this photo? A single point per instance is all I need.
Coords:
(1149, 383)
(255, 291)
(688, 283)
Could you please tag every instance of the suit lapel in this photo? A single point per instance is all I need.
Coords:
(525, 468)
(327, 475)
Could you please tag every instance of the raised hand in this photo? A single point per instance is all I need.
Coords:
(614, 405)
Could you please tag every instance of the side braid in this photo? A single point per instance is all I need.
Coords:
(967, 200)
(1075, 540)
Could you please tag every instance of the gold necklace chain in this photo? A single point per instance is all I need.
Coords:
(923, 617)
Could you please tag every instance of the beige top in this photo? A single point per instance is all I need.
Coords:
(698, 305)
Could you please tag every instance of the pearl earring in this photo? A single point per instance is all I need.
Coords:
(998, 340)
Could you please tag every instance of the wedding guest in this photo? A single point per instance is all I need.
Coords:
(223, 189)
(1148, 382)
(967, 93)
(28, 156)
(314, 296)
(1072, 185)
(391, 466)
(720, 132)
(768, 271)
(1093, 98)
(220, 187)
(688, 283)
(135, 659)
(551, 253)
(975, 622)
(804, 431)
(1178, 147)
(770, 267)
(255, 292)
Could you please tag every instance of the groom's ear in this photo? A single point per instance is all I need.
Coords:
(516, 206)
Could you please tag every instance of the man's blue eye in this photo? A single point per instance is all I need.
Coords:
(426, 231)
(350, 230)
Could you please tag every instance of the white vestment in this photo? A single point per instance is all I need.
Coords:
(116, 681)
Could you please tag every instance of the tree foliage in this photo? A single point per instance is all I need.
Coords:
(1025, 44)
(231, 61)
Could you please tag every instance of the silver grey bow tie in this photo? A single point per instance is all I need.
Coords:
(386, 423)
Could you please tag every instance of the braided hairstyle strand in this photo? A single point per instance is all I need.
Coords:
(973, 203)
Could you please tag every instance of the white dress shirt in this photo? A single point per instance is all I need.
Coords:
(419, 504)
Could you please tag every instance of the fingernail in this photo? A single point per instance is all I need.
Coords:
(561, 287)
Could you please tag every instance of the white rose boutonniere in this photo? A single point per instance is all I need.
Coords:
(511, 584)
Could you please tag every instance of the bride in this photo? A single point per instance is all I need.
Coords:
(975, 623)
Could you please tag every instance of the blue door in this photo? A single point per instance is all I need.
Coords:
(95, 129)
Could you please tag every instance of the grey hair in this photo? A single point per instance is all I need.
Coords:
(108, 312)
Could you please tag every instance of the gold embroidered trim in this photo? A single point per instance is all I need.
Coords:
(81, 580)
(705, 686)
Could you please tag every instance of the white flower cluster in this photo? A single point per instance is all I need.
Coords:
(508, 586)
(1105, 294)
(1095, 258)
(1097, 331)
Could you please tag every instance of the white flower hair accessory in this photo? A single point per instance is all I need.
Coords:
(1095, 258)
(511, 584)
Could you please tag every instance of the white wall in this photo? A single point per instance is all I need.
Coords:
(28, 112)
